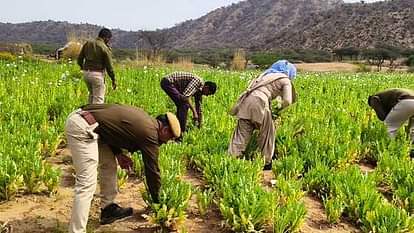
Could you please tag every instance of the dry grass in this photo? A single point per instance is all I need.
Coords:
(72, 50)
(75, 40)
(184, 64)
(239, 60)
(146, 59)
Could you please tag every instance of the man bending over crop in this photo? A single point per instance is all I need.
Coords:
(253, 109)
(394, 107)
(96, 134)
(94, 59)
(180, 87)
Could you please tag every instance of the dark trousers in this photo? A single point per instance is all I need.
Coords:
(179, 101)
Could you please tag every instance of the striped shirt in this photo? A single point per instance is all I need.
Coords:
(186, 83)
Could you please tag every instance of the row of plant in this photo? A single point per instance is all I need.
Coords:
(331, 129)
(319, 139)
(245, 205)
(34, 101)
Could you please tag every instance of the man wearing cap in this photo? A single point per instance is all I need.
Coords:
(96, 134)
(253, 109)
(394, 107)
(180, 87)
(94, 58)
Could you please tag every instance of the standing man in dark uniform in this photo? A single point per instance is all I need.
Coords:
(96, 134)
(180, 87)
(394, 107)
(94, 59)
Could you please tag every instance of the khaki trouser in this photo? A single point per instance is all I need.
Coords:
(86, 155)
(95, 81)
(400, 113)
(243, 133)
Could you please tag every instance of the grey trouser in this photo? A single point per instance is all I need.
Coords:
(243, 133)
(86, 156)
(400, 113)
(95, 81)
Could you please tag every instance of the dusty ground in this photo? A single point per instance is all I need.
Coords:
(327, 67)
(341, 67)
(40, 213)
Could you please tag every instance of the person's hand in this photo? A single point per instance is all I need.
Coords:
(197, 122)
(195, 116)
(113, 84)
(125, 162)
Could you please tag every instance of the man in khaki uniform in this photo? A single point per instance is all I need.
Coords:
(253, 109)
(96, 134)
(394, 107)
(94, 58)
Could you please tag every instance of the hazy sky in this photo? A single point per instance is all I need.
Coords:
(124, 14)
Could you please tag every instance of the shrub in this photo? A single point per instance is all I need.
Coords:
(72, 50)
(7, 56)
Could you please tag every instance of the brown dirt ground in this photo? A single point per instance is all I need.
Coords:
(341, 67)
(327, 67)
(366, 167)
(41, 213)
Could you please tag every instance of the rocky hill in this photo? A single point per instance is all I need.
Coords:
(254, 24)
(352, 25)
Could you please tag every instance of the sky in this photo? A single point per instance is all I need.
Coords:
(123, 14)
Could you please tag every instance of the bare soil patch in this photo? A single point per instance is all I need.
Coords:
(327, 67)
(316, 219)
(366, 167)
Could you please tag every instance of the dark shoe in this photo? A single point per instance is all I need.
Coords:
(113, 212)
(412, 154)
(179, 139)
(267, 167)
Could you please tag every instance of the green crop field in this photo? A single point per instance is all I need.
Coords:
(320, 143)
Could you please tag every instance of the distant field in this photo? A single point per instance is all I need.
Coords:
(327, 66)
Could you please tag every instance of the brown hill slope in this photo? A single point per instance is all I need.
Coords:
(352, 25)
(246, 24)
(254, 24)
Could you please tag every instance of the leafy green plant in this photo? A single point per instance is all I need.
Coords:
(334, 209)
(51, 178)
(169, 212)
(204, 200)
(138, 165)
(122, 177)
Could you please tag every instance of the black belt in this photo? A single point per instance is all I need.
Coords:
(406, 97)
(89, 118)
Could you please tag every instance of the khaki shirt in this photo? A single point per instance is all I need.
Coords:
(131, 128)
(254, 103)
(96, 55)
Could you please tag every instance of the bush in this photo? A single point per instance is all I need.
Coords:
(72, 50)
(7, 56)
